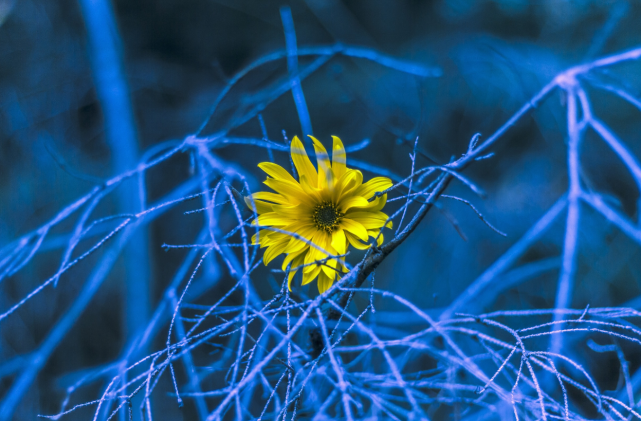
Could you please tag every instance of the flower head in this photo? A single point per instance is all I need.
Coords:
(330, 207)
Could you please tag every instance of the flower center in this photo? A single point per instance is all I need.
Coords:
(326, 216)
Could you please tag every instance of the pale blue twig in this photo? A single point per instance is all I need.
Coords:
(292, 66)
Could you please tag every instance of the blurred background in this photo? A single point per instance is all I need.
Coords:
(493, 56)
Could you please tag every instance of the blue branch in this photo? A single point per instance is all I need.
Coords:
(109, 77)
(292, 66)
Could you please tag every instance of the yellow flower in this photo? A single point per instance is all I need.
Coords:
(328, 207)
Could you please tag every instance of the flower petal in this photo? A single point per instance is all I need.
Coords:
(274, 251)
(296, 227)
(294, 213)
(376, 184)
(289, 258)
(322, 240)
(347, 183)
(353, 240)
(258, 206)
(352, 201)
(329, 268)
(341, 266)
(263, 238)
(374, 233)
(311, 275)
(355, 228)
(268, 241)
(370, 220)
(295, 264)
(271, 219)
(312, 195)
(325, 174)
(301, 161)
(339, 242)
(306, 232)
(276, 171)
(271, 197)
(325, 281)
(293, 192)
(375, 205)
(339, 158)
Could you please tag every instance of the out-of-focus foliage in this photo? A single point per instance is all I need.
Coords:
(481, 62)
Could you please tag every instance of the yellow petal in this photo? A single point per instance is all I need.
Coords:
(375, 205)
(312, 195)
(262, 236)
(258, 206)
(271, 240)
(376, 184)
(302, 163)
(355, 228)
(272, 219)
(289, 258)
(330, 267)
(342, 267)
(276, 171)
(306, 232)
(339, 242)
(374, 233)
(325, 174)
(339, 158)
(274, 251)
(322, 240)
(299, 227)
(352, 201)
(298, 260)
(293, 213)
(325, 281)
(353, 240)
(271, 197)
(359, 213)
(370, 220)
(351, 180)
(311, 275)
(293, 192)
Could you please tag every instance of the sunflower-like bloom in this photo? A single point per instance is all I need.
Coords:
(329, 207)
